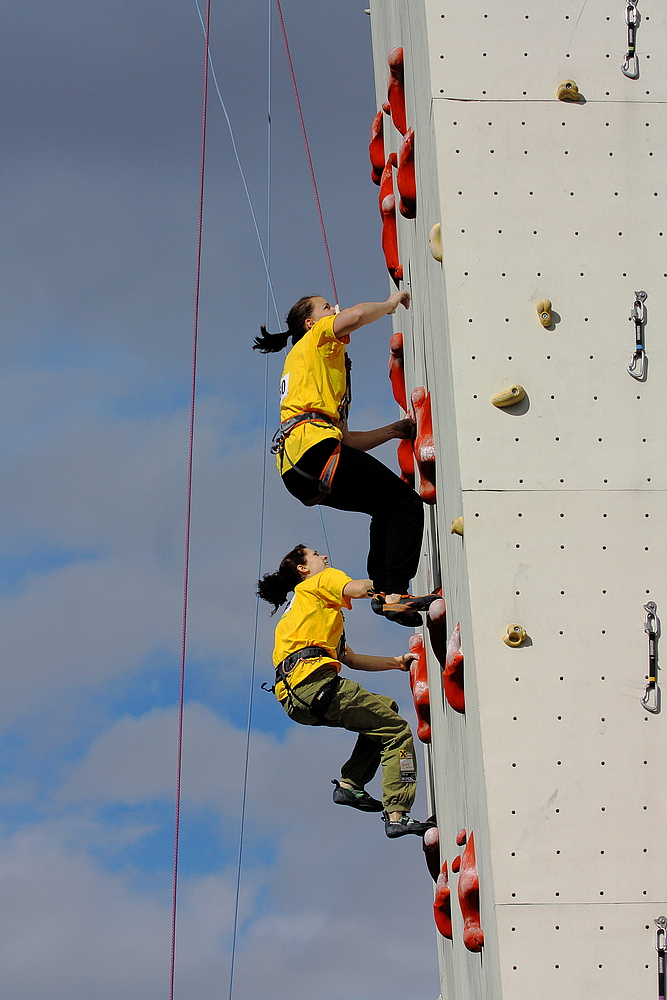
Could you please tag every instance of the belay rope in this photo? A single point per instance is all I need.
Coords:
(189, 502)
(208, 67)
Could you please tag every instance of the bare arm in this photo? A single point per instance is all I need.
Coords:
(366, 440)
(351, 319)
(360, 661)
(358, 588)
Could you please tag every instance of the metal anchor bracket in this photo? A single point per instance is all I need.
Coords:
(630, 67)
(651, 698)
(637, 367)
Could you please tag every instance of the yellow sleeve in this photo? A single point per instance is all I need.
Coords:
(329, 585)
(324, 338)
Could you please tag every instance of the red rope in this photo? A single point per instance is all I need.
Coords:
(310, 162)
(189, 502)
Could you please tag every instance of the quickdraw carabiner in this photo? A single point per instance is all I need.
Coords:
(651, 698)
(630, 66)
(637, 367)
(660, 939)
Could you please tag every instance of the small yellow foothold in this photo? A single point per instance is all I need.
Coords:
(568, 91)
(435, 242)
(457, 526)
(544, 312)
(510, 396)
(514, 635)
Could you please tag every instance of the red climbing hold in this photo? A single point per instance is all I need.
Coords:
(388, 212)
(473, 935)
(376, 148)
(442, 904)
(424, 446)
(405, 177)
(396, 372)
(406, 461)
(436, 623)
(431, 849)
(452, 675)
(395, 89)
(419, 687)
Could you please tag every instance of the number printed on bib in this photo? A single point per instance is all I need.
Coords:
(284, 386)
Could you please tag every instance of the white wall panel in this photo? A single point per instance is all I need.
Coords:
(555, 765)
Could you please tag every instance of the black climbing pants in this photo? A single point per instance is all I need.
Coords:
(363, 484)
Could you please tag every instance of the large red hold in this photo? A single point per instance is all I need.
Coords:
(473, 935)
(452, 675)
(424, 446)
(405, 177)
(431, 849)
(376, 148)
(419, 687)
(396, 89)
(388, 212)
(436, 623)
(442, 904)
(396, 372)
(406, 461)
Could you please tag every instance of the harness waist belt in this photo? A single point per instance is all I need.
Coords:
(287, 426)
(307, 653)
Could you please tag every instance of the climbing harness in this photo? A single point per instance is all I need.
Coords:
(637, 366)
(651, 698)
(325, 479)
(320, 703)
(660, 938)
(630, 67)
(278, 442)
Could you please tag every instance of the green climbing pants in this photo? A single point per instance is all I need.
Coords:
(384, 737)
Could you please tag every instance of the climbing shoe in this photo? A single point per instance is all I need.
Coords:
(397, 612)
(406, 824)
(406, 610)
(377, 604)
(407, 602)
(355, 797)
(411, 619)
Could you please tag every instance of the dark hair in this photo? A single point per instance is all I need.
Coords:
(274, 587)
(270, 343)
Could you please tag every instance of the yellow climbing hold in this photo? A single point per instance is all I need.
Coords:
(544, 312)
(568, 91)
(510, 396)
(435, 242)
(457, 526)
(514, 635)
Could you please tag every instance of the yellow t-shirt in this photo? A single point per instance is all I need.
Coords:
(313, 618)
(313, 378)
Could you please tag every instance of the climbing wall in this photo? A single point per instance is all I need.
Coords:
(549, 782)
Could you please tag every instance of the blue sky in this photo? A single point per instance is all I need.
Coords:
(98, 210)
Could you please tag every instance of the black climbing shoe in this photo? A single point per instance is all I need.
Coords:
(407, 602)
(406, 610)
(355, 797)
(406, 824)
(377, 604)
(411, 619)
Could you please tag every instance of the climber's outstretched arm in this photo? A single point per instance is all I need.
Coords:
(351, 319)
(360, 661)
(366, 440)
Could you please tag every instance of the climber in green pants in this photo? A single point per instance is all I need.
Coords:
(308, 655)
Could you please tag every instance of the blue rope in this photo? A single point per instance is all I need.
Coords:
(241, 171)
(269, 295)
